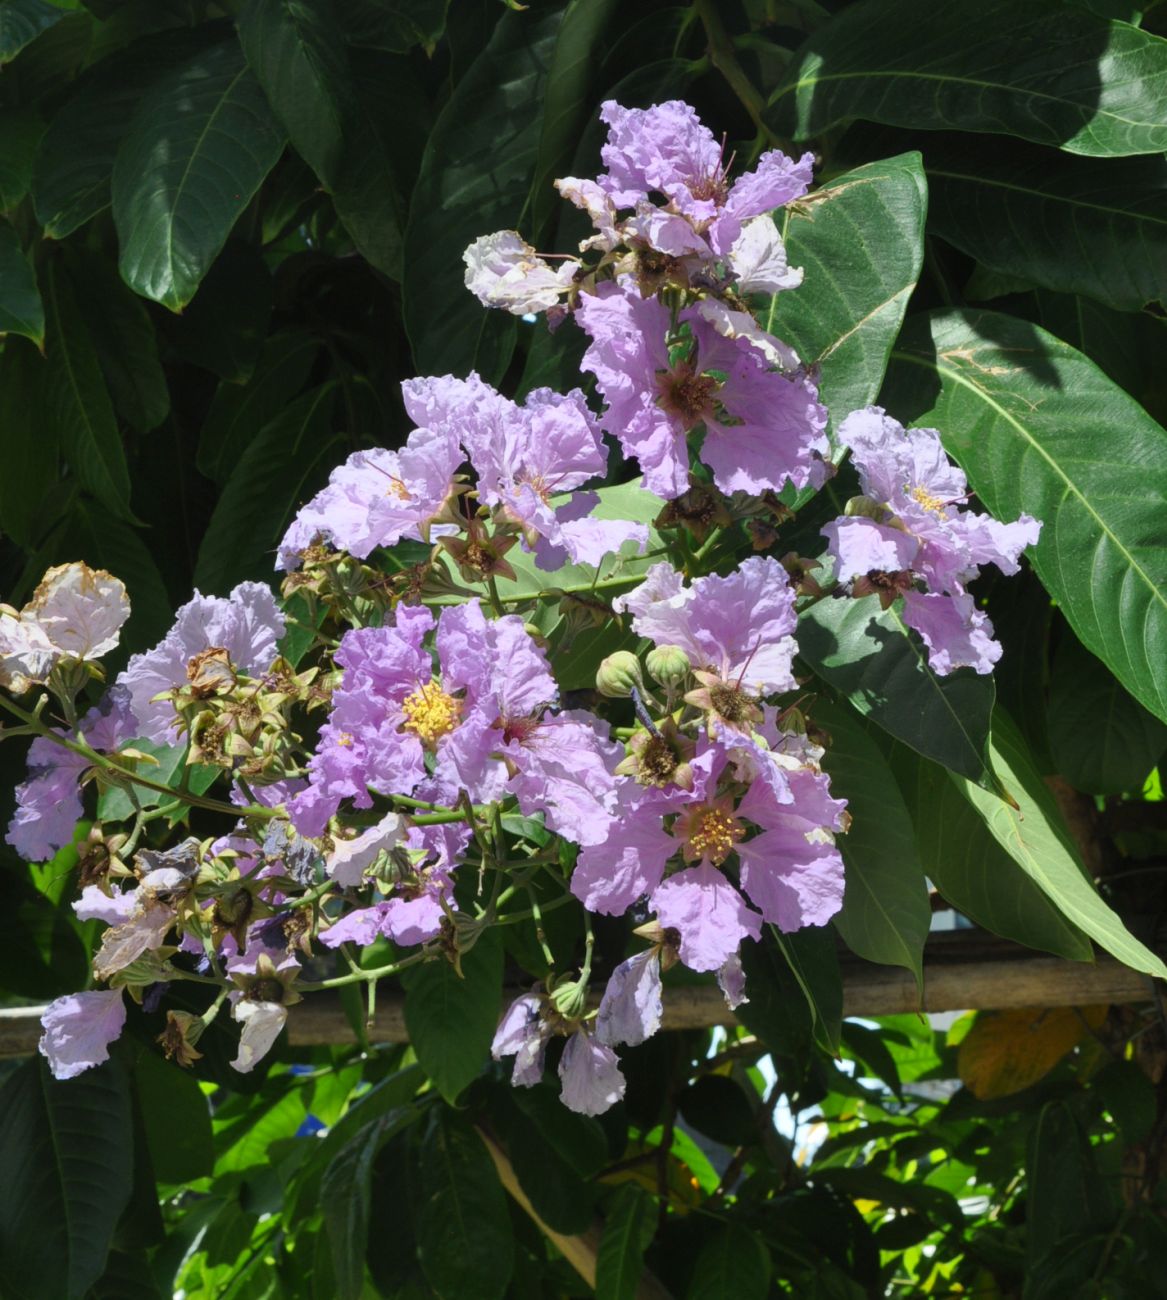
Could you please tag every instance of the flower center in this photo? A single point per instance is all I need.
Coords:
(398, 489)
(538, 484)
(714, 186)
(345, 740)
(687, 394)
(923, 497)
(731, 702)
(430, 713)
(712, 835)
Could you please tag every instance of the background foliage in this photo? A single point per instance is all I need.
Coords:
(229, 230)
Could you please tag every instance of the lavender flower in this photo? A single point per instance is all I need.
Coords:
(631, 1008)
(909, 529)
(590, 1075)
(79, 1028)
(763, 429)
(247, 624)
(523, 1033)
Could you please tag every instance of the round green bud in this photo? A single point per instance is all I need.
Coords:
(619, 674)
(668, 664)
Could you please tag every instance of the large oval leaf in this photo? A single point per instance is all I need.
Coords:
(198, 148)
(22, 21)
(1073, 224)
(1030, 829)
(867, 654)
(68, 1168)
(78, 402)
(1040, 70)
(860, 242)
(475, 177)
(886, 914)
(21, 310)
(1040, 429)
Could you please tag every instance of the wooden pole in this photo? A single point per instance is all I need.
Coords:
(952, 982)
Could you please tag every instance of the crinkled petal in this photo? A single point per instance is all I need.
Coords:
(79, 1028)
(590, 1075)
(758, 259)
(957, 634)
(862, 546)
(708, 913)
(792, 879)
(262, 1022)
(631, 1008)
(349, 859)
(81, 610)
(609, 877)
(503, 270)
(731, 979)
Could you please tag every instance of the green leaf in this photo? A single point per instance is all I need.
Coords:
(1101, 740)
(464, 1237)
(628, 1228)
(559, 1196)
(860, 242)
(1040, 429)
(394, 25)
(344, 1193)
(21, 310)
(22, 21)
(1019, 212)
(296, 49)
(177, 1119)
(20, 134)
(734, 1264)
(451, 1020)
(1033, 834)
(813, 957)
(68, 1168)
(74, 164)
(777, 1010)
(124, 337)
(973, 872)
(78, 405)
(1065, 1197)
(886, 914)
(475, 176)
(30, 444)
(198, 148)
(1040, 70)
(114, 804)
(270, 480)
(866, 653)
(567, 105)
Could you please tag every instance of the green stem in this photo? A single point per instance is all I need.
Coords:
(724, 59)
(579, 588)
(381, 972)
(513, 918)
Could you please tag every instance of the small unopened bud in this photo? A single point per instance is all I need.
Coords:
(619, 675)
(863, 508)
(570, 999)
(669, 665)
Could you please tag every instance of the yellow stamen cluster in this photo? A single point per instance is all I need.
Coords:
(345, 739)
(398, 489)
(925, 498)
(430, 713)
(713, 835)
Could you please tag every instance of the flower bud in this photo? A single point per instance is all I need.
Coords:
(570, 999)
(619, 675)
(669, 665)
(864, 508)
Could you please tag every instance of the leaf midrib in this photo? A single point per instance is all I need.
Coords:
(998, 183)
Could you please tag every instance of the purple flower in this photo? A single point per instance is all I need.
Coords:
(525, 455)
(731, 979)
(391, 710)
(708, 914)
(738, 628)
(79, 1029)
(631, 1008)
(377, 497)
(590, 1075)
(523, 1033)
(665, 149)
(910, 529)
(247, 624)
(763, 429)
(48, 801)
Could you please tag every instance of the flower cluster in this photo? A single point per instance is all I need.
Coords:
(908, 534)
(422, 760)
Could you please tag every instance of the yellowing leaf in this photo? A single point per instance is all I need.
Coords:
(1006, 1051)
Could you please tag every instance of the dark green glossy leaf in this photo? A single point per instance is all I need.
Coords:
(451, 1020)
(126, 1277)
(74, 164)
(1076, 225)
(30, 446)
(813, 957)
(777, 1010)
(41, 953)
(716, 1106)
(68, 1167)
(464, 1236)
(123, 335)
(344, 1191)
(560, 1197)
(78, 404)
(20, 134)
(1041, 71)
(22, 21)
(1101, 740)
(475, 177)
(860, 242)
(733, 1265)
(973, 872)
(21, 310)
(272, 477)
(867, 654)
(886, 914)
(394, 25)
(1066, 1196)
(197, 149)
(1036, 838)
(296, 49)
(1039, 429)
(628, 1228)
(176, 1117)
